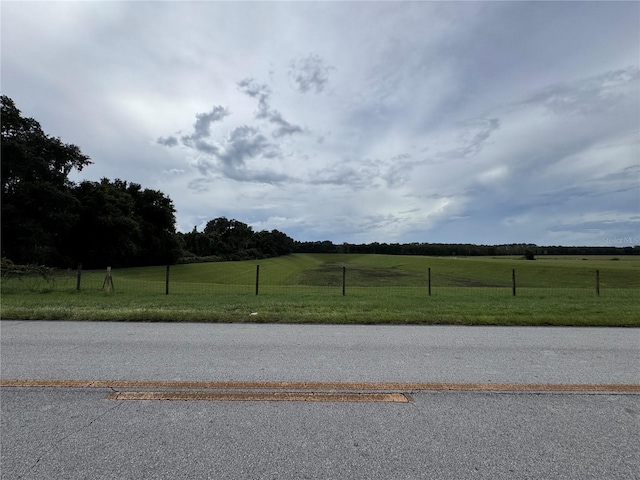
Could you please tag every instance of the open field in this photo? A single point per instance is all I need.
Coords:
(378, 289)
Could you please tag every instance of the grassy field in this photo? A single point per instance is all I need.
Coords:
(307, 288)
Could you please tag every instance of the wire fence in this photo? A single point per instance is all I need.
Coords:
(252, 279)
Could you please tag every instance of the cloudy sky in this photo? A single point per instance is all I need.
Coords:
(478, 122)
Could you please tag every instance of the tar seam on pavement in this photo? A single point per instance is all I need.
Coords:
(324, 386)
(263, 396)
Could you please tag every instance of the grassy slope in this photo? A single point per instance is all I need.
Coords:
(307, 288)
(393, 270)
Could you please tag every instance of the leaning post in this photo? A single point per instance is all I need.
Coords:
(598, 283)
(513, 282)
(257, 278)
(78, 277)
(107, 285)
(166, 282)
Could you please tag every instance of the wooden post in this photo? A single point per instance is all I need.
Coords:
(257, 278)
(429, 280)
(166, 282)
(513, 281)
(598, 283)
(78, 277)
(107, 285)
(344, 277)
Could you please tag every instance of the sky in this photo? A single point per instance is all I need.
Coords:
(393, 122)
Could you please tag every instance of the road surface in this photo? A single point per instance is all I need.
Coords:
(87, 430)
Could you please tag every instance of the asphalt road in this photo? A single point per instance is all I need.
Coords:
(53, 432)
(174, 351)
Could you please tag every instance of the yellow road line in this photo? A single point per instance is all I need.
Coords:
(331, 386)
(262, 396)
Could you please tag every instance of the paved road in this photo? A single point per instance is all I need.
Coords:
(79, 433)
(163, 351)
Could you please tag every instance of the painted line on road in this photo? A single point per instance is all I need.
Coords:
(263, 396)
(328, 386)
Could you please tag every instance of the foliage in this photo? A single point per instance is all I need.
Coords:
(458, 249)
(120, 224)
(32, 278)
(9, 269)
(224, 239)
(38, 209)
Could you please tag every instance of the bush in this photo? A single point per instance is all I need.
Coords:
(9, 269)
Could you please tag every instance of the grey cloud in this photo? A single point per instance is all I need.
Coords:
(173, 171)
(205, 165)
(200, 185)
(201, 130)
(623, 232)
(338, 175)
(262, 93)
(473, 138)
(253, 176)
(309, 73)
(230, 158)
(199, 145)
(395, 172)
(242, 142)
(621, 182)
(204, 120)
(589, 95)
(631, 225)
(284, 127)
(399, 170)
(167, 141)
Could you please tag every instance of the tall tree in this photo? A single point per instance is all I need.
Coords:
(120, 224)
(38, 209)
(155, 215)
(229, 236)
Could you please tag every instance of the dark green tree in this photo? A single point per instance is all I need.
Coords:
(120, 224)
(155, 214)
(107, 233)
(38, 208)
(228, 236)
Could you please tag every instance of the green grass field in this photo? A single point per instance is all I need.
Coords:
(307, 288)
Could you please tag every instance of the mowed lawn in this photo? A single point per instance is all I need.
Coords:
(308, 288)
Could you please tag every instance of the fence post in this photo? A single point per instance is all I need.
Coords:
(598, 283)
(344, 277)
(166, 282)
(429, 280)
(108, 281)
(257, 278)
(78, 277)
(513, 281)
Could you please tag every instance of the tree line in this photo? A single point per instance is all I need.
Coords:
(49, 220)
(527, 250)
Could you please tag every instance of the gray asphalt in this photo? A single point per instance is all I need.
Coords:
(75, 433)
(165, 351)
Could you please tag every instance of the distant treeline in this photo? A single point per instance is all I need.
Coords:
(459, 249)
